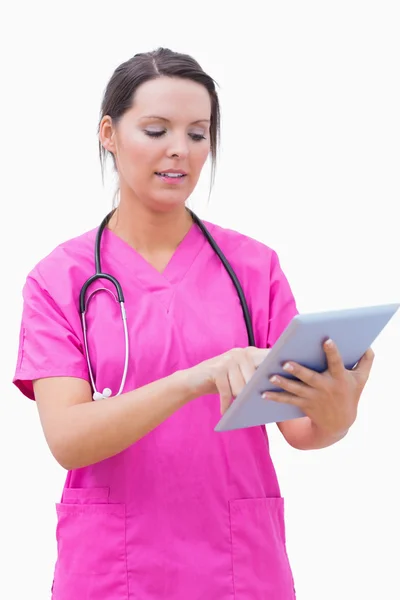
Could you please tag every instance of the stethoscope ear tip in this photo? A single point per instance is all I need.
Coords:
(106, 394)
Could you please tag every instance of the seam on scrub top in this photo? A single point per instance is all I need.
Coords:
(22, 349)
(126, 556)
(230, 531)
(173, 286)
(28, 375)
(76, 331)
(203, 248)
(36, 373)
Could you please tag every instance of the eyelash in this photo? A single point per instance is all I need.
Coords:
(196, 137)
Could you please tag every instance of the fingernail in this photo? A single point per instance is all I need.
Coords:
(266, 396)
(287, 367)
(329, 343)
(274, 379)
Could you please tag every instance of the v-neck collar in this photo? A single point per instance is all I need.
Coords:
(147, 275)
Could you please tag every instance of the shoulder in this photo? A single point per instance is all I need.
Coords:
(55, 281)
(70, 256)
(257, 264)
(243, 250)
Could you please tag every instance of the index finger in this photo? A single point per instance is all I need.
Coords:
(257, 355)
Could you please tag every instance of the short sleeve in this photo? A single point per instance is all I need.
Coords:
(282, 304)
(48, 344)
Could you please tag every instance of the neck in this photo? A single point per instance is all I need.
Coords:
(149, 231)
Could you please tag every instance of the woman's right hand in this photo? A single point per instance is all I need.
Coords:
(226, 374)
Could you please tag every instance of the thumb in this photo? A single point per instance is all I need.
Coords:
(364, 365)
(258, 355)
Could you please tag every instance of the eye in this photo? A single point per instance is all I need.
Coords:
(197, 137)
(154, 133)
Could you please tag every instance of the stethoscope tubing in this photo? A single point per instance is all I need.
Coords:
(84, 302)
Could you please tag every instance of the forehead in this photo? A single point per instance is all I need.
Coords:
(171, 98)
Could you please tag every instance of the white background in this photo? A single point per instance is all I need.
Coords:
(309, 165)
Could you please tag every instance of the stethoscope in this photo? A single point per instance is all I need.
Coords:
(119, 297)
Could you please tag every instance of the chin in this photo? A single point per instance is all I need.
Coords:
(167, 202)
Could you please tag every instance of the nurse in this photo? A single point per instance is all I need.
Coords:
(156, 505)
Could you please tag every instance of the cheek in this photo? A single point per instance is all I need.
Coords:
(137, 152)
(137, 148)
(199, 156)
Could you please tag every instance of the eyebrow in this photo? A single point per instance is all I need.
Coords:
(167, 120)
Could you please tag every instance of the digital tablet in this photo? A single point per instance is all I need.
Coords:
(353, 331)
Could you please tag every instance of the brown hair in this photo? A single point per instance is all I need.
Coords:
(120, 90)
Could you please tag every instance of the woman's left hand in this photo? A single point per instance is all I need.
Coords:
(330, 399)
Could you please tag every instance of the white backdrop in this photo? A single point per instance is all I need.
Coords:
(310, 99)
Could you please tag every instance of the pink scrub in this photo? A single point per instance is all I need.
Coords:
(185, 513)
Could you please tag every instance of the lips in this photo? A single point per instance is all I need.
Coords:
(171, 177)
(172, 174)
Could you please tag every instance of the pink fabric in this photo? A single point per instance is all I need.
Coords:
(185, 513)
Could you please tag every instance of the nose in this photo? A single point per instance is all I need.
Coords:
(179, 146)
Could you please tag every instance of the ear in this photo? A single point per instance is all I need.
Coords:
(107, 134)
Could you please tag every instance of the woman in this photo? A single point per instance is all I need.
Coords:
(156, 504)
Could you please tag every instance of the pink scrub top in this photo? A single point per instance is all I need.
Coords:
(185, 513)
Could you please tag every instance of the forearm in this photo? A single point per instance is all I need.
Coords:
(302, 434)
(94, 431)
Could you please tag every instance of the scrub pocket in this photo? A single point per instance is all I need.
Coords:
(91, 561)
(260, 563)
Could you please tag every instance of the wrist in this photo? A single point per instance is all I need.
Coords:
(188, 384)
(328, 435)
(194, 382)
